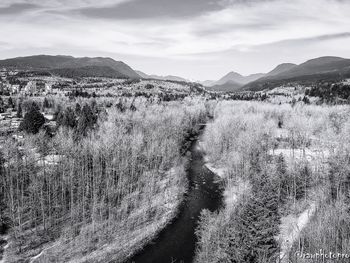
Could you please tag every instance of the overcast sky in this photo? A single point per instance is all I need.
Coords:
(196, 39)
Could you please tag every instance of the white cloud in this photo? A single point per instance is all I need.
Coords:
(63, 3)
(247, 30)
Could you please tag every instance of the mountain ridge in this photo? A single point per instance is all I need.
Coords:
(168, 77)
(55, 63)
(321, 68)
(238, 78)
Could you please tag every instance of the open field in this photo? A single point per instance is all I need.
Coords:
(97, 175)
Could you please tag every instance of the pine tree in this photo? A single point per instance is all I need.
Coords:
(252, 237)
(33, 120)
(46, 103)
(67, 118)
(10, 103)
(77, 109)
(2, 105)
(86, 121)
(282, 179)
(19, 109)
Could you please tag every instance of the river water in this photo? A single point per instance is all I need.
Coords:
(177, 242)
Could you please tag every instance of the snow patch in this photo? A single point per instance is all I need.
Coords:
(6, 238)
(290, 229)
(219, 171)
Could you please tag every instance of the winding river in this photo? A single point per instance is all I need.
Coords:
(177, 242)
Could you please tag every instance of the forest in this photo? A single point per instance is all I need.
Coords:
(286, 172)
(111, 175)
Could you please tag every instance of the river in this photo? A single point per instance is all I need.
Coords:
(177, 242)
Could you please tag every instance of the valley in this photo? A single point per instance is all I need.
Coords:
(101, 164)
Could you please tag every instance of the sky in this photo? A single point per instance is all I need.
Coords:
(195, 39)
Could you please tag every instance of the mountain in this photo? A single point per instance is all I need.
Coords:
(253, 77)
(280, 68)
(88, 71)
(323, 65)
(231, 76)
(141, 74)
(84, 65)
(207, 83)
(323, 68)
(237, 78)
(229, 86)
(169, 77)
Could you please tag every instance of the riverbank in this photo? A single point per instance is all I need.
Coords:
(126, 242)
(3, 246)
(177, 242)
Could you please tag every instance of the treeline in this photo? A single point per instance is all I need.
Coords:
(277, 163)
(331, 93)
(98, 181)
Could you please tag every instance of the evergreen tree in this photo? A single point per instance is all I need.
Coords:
(46, 103)
(282, 179)
(67, 118)
(77, 109)
(33, 120)
(252, 239)
(86, 121)
(19, 109)
(10, 103)
(2, 105)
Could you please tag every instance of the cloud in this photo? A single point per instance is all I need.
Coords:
(64, 4)
(16, 8)
(222, 35)
(212, 30)
(141, 9)
(286, 43)
(323, 37)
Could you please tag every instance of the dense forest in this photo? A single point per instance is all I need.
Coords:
(111, 174)
(329, 92)
(279, 163)
(108, 177)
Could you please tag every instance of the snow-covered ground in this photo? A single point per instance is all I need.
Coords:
(234, 190)
(6, 238)
(290, 229)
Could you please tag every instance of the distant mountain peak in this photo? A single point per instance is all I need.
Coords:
(234, 73)
(281, 68)
(309, 72)
(167, 77)
(326, 59)
(69, 65)
(238, 79)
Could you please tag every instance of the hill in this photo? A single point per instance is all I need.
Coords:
(323, 68)
(70, 65)
(237, 78)
(280, 68)
(88, 71)
(231, 82)
(229, 86)
(168, 77)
